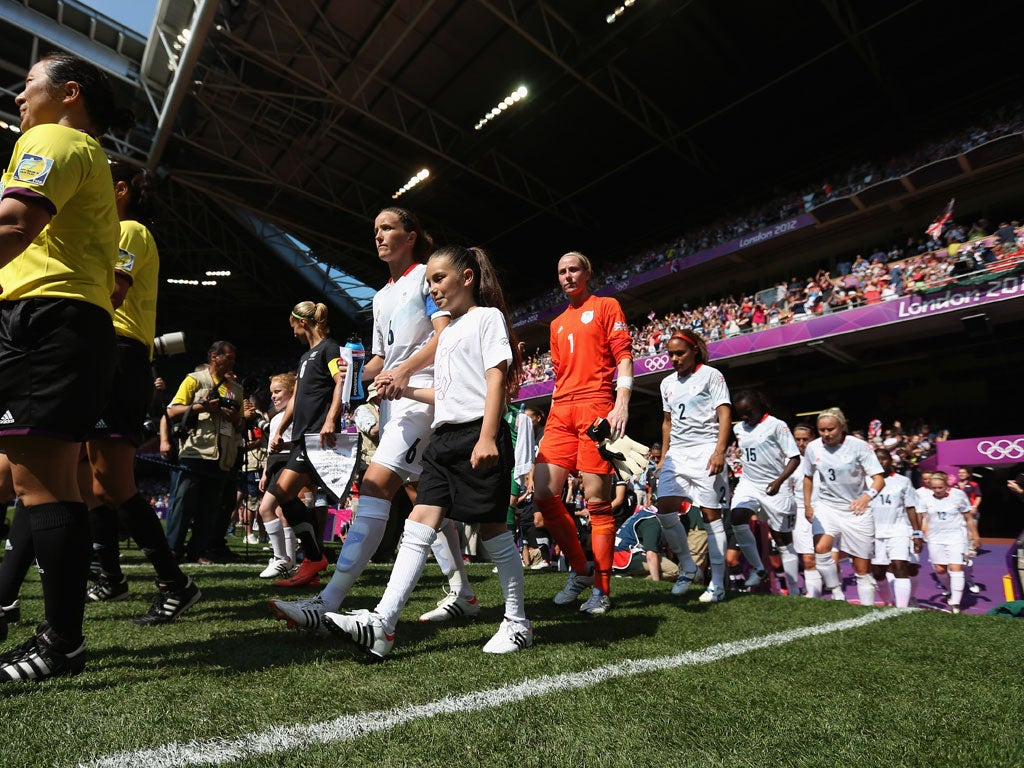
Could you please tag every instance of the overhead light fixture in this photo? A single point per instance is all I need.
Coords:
(511, 100)
(421, 176)
(209, 282)
(181, 281)
(611, 17)
(219, 273)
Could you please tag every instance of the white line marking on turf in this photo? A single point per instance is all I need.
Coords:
(349, 727)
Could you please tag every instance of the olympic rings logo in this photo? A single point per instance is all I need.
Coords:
(1001, 449)
(656, 363)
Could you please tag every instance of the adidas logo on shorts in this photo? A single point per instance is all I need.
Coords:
(7, 418)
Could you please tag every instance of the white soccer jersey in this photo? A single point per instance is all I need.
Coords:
(841, 473)
(275, 424)
(890, 507)
(692, 401)
(765, 449)
(402, 311)
(946, 515)
(469, 346)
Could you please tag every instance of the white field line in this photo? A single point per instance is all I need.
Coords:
(349, 727)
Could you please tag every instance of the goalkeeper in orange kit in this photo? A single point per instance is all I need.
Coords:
(590, 343)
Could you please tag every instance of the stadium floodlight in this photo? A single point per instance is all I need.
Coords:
(614, 15)
(218, 273)
(422, 175)
(502, 106)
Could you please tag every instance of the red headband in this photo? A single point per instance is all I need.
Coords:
(687, 339)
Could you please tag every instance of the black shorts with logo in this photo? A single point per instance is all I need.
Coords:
(449, 481)
(131, 394)
(57, 360)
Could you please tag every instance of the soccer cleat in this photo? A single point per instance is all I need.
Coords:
(12, 612)
(973, 588)
(573, 587)
(452, 607)
(755, 578)
(169, 604)
(510, 637)
(838, 594)
(712, 594)
(107, 591)
(37, 660)
(954, 608)
(308, 573)
(684, 582)
(300, 614)
(251, 538)
(277, 568)
(597, 604)
(363, 628)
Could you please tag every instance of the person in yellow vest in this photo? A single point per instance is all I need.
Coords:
(58, 245)
(209, 405)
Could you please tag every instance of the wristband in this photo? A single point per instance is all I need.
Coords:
(625, 382)
(917, 535)
(871, 492)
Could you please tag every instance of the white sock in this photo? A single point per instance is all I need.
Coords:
(956, 586)
(447, 549)
(675, 536)
(289, 542)
(503, 553)
(866, 589)
(790, 566)
(409, 562)
(882, 590)
(364, 536)
(276, 536)
(901, 591)
(748, 545)
(827, 569)
(716, 552)
(890, 577)
(812, 583)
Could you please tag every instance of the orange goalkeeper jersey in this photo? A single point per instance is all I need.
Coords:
(587, 343)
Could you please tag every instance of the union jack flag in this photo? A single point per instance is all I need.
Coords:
(942, 222)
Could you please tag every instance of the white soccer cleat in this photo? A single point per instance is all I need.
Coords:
(712, 594)
(363, 628)
(277, 568)
(684, 582)
(510, 637)
(573, 587)
(597, 604)
(299, 614)
(755, 578)
(838, 594)
(451, 606)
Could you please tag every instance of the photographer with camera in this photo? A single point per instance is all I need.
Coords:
(207, 409)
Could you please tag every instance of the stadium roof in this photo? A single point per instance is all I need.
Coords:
(306, 116)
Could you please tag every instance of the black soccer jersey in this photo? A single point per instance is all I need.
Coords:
(314, 387)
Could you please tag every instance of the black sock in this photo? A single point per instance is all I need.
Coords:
(60, 534)
(301, 520)
(18, 557)
(105, 545)
(141, 521)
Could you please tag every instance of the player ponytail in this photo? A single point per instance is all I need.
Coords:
(141, 201)
(313, 313)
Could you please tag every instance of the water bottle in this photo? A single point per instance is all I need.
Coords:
(358, 358)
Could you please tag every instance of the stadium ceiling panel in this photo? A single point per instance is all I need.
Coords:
(310, 114)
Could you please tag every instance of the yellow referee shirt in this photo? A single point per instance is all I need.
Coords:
(74, 256)
(139, 262)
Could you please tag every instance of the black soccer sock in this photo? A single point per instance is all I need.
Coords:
(105, 546)
(18, 556)
(138, 517)
(60, 534)
(302, 522)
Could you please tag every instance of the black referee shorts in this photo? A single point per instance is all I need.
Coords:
(131, 394)
(448, 481)
(57, 360)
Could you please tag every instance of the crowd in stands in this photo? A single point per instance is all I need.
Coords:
(1005, 121)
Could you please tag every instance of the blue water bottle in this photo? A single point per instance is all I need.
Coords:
(358, 358)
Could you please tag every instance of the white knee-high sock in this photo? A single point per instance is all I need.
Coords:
(364, 536)
(866, 589)
(289, 542)
(447, 549)
(882, 590)
(409, 562)
(716, 552)
(790, 566)
(827, 569)
(901, 592)
(812, 583)
(503, 552)
(956, 586)
(276, 536)
(748, 545)
(675, 536)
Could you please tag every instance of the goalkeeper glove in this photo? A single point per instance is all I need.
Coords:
(626, 455)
